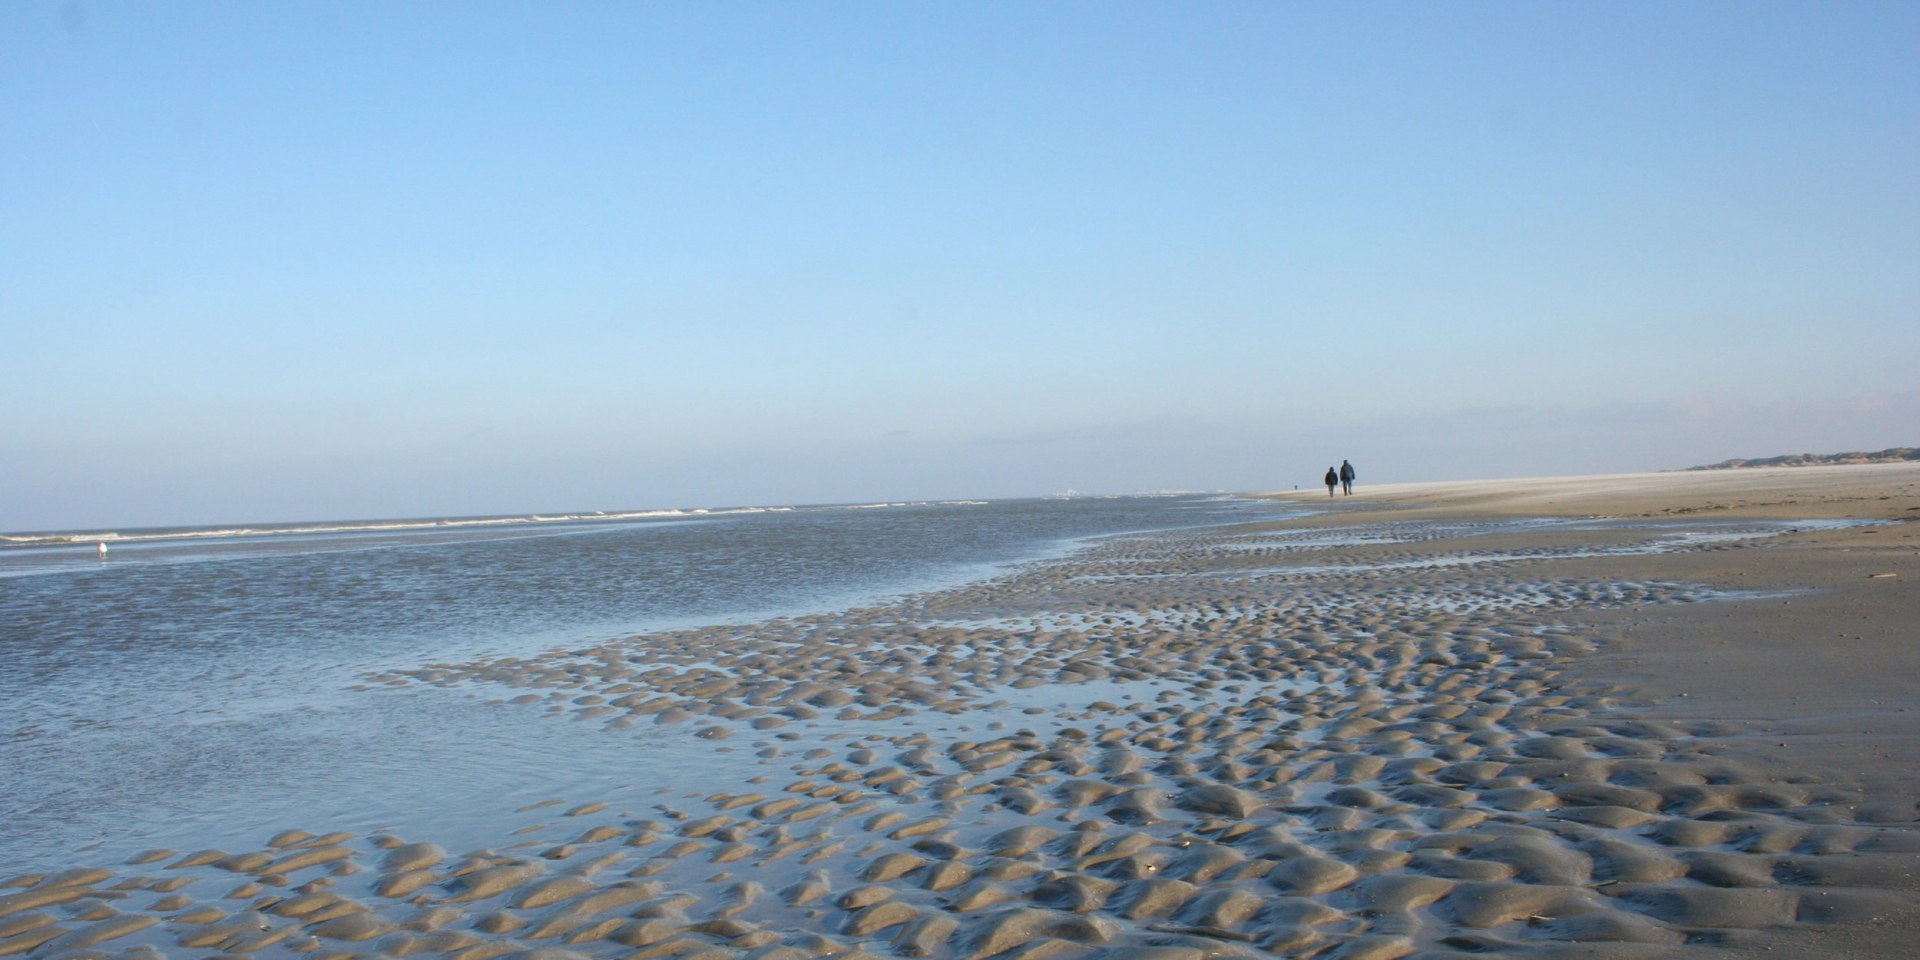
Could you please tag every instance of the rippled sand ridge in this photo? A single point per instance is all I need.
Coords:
(1465, 721)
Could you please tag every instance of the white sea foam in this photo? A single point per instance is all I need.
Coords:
(918, 503)
(158, 534)
(311, 529)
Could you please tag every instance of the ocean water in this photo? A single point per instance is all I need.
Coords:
(193, 687)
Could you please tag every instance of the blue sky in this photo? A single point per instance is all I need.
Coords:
(324, 260)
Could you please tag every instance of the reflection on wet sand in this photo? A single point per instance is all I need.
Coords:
(1163, 747)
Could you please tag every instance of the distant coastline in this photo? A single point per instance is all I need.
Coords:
(1889, 455)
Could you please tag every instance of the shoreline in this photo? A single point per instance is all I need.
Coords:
(1419, 725)
(315, 725)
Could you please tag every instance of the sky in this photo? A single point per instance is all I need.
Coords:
(336, 260)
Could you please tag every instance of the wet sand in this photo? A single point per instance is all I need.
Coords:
(1820, 684)
(1675, 720)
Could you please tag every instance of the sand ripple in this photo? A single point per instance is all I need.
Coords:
(1175, 747)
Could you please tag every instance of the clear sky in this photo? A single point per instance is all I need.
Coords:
(279, 261)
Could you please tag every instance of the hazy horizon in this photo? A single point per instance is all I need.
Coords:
(311, 262)
(636, 511)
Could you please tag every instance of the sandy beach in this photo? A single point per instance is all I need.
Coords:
(1819, 685)
(1609, 717)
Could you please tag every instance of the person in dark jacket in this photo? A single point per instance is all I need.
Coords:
(1333, 480)
(1346, 477)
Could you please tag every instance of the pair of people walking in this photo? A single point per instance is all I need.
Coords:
(1342, 477)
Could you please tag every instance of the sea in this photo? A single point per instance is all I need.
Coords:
(191, 688)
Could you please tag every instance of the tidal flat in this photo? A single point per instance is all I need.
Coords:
(1432, 722)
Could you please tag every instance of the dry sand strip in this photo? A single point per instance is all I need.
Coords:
(1426, 725)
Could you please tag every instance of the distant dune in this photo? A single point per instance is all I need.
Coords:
(1889, 455)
